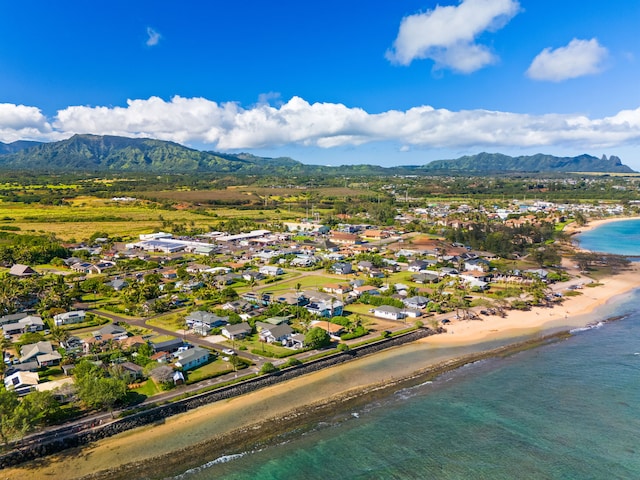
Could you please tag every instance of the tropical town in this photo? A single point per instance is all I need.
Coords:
(96, 331)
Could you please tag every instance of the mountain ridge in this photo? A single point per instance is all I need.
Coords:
(88, 152)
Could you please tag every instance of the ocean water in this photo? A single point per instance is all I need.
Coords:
(621, 237)
(567, 410)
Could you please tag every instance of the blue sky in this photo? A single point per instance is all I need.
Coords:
(328, 82)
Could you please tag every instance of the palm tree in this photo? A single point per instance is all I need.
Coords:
(60, 334)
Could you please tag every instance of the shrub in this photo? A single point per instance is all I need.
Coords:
(268, 367)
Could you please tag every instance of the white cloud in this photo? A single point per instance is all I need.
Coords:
(153, 37)
(579, 58)
(447, 35)
(228, 126)
(18, 122)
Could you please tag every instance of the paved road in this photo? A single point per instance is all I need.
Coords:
(188, 337)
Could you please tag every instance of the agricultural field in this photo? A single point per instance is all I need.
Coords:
(243, 195)
(83, 216)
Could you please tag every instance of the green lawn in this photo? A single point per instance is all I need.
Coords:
(148, 388)
(213, 369)
(253, 343)
(171, 321)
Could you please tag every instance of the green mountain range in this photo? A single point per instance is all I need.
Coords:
(499, 163)
(110, 153)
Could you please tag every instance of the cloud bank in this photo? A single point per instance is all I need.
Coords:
(228, 126)
(448, 35)
(579, 58)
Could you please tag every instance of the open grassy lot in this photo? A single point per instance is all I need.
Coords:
(148, 388)
(86, 215)
(212, 369)
(170, 321)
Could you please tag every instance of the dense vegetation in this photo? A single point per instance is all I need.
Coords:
(111, 153)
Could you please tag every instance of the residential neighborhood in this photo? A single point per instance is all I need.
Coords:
(167, 312)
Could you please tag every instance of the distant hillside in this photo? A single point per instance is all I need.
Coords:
(99, 153)
(497, 163)
(16, 146)
(92, 153)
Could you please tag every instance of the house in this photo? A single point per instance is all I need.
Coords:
(365, 266)
(31, 323)
(417, 301)
(477, 265)
(342, 268)
(276, 333)
(168, 345)
(11, 318)
(417, 266)
(132, 370)
(291, 298)
(161, 357)
(252, 275)
(82, 267)
(370, 289)
(19, 270)
(118, 284)
(539, 272)
(337, 288)
(192, 358)
(133, 342)
(41, 352)
(333, 329)
(425, 277)
(237, 306)
(344, 238)
(21, 382)
(304, 261)
(100, 267)
(412, 313)
(170, 274)
(271, 270)
(203, 321)
(178, 378)
(111, 329)
(296, 341)
(237, 331)
(444, 271)
(389, 312)
(76, 316)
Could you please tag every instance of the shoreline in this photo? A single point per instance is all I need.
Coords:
(269, 432)
(237, 424)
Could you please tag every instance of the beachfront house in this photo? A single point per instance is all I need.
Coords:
(389, 312)
(192, 358)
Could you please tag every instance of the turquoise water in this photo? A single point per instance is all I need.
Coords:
(621, 237)
(568, 410)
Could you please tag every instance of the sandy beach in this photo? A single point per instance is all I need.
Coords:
(219, 419)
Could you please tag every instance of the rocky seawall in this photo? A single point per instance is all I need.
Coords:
(80, 434)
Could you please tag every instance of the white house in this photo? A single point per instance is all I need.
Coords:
(76, 316)
(389, 312)
(271, 270)
(21, 382)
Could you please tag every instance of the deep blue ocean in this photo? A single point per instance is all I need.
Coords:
(567, 410)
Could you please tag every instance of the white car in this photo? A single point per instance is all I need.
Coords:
(228, 351)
